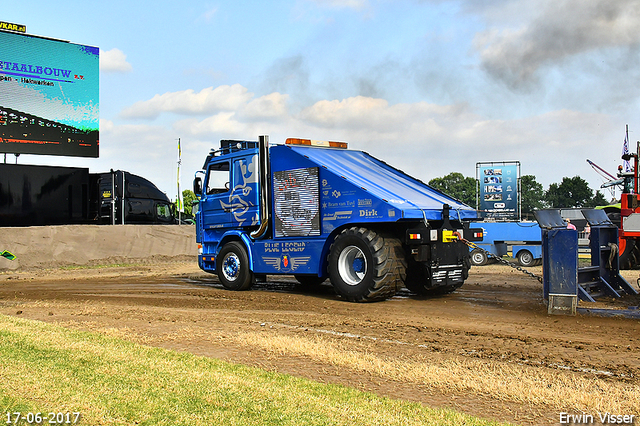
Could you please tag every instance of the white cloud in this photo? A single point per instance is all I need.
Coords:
(209, 14)
(114, 60)
(106, 125)
(207, 101)
(423, 139)
(270, 106)
(221, 103)
(342, 4)
(337, 113)
(223, 123)
(370, 114)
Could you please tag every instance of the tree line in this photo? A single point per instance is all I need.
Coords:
(570, 193)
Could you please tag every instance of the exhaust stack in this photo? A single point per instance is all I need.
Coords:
(264, 182)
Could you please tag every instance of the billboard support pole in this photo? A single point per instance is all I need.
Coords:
(519, 198)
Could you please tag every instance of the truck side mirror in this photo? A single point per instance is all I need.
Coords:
(197, 186)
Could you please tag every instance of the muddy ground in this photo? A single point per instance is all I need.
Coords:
(498, 316)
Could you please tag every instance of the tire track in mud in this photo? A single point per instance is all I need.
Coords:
(485, 351)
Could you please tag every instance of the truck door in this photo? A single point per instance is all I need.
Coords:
(106, 198)
(214, 206)
(244, 196)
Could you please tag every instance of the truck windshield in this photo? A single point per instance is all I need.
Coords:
(218, 178)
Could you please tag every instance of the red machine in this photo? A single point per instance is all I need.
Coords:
(627, 216)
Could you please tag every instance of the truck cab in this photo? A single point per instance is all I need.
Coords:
(315, 210)
(120, 197)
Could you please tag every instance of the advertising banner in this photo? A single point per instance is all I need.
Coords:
(49, 96)
(498, 195)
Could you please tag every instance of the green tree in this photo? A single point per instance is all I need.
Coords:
(188, 196)
(458, 186)
(570, 193)
(597, 200)
(531, 195)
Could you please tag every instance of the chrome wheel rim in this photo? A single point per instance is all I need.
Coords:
(526, 258)
(231, 267)
(478, 258)
(352, 265)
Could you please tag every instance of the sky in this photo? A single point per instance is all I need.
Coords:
(429, 86)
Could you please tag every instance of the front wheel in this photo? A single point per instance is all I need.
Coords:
(232, 267)
(479, 257)
(364, 266)
(525, 258)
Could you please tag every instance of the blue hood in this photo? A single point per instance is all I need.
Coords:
(414, 198)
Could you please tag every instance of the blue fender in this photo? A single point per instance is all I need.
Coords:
(237, 235)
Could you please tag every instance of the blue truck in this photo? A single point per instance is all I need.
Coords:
(522, 239)
(316, 210)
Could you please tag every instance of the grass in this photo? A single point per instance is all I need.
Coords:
(46, 368)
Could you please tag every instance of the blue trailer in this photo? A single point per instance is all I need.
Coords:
(316, 210)
(523, 240)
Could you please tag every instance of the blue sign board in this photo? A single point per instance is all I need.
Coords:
(498, 195)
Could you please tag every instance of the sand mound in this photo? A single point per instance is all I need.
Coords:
(55, 246)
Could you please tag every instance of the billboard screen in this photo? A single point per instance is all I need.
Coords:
(499, 197)
(49, 96)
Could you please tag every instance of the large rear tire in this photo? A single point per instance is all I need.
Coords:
(232, 266)
(365, 266)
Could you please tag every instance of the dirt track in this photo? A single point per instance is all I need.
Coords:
(497, 317)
